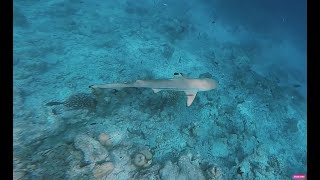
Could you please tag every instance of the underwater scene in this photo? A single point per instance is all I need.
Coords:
(159, 89)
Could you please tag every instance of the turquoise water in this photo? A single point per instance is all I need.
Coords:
(252, 126)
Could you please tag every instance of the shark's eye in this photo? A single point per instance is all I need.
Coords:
(176, 73)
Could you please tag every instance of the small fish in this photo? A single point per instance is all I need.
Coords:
(77, 101)
(179, 83)
(54, 103)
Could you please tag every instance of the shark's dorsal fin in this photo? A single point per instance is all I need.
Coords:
(190, 97)
(178, 75)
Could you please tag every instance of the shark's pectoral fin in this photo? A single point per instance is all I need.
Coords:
(156, 90)
(190, 97)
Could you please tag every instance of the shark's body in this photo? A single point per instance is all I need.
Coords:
(178, 83)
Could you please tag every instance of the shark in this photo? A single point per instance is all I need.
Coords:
(179, 82)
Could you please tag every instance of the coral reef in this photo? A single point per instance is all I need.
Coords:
(142, 159)
(102, 170)
(214, 173)
(104, 140)
(184, 169)
(92, 150)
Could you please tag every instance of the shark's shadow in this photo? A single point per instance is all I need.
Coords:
(143, 99)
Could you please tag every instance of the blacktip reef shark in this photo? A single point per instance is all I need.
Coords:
(179, 83)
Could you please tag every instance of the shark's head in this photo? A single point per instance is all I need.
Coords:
(207, 84)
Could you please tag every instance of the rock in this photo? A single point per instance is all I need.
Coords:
(188, 169)
(139, 160)
(103, 170)
(184, 169)
(147, 153)
(170, 171)
(214, 173)
(92, 150)
(142, 159)
(123, 166)
(104, 139)
(151, 173)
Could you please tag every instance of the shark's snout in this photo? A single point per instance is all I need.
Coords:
(210, 84)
